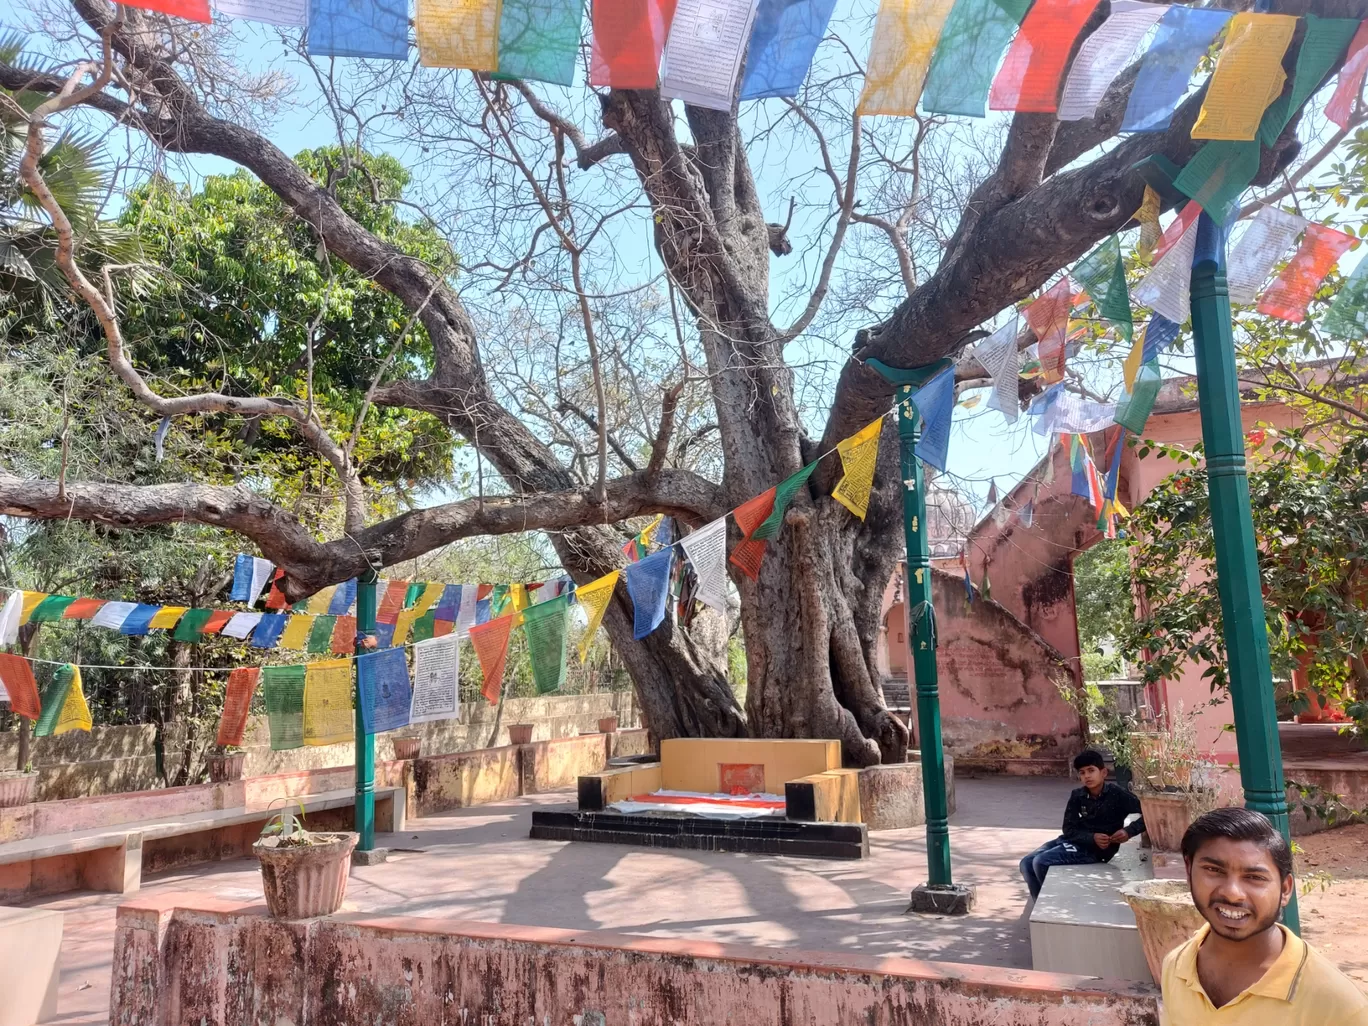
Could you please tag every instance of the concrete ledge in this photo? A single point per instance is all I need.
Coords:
(30, 946)
(981, 766)
(186, 958)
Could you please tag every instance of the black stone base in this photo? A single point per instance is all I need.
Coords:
(701, 833)
(952, 900)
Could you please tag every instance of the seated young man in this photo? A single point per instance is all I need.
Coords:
(1093, 823)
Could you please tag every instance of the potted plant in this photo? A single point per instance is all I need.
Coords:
(303, 873)
(16, 786)
(1169, 781)
(520, 733)
(1164, 917)
(408, 748)
(608, 724)
(225, 763)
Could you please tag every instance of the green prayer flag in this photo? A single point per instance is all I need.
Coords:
(1133, 411)
(1325, 40)
(415, 589)
(320, 635)
(498, 601)
(971, 45)
(539, 40)
(190, 627)
(283, 687)
(424, 626)
(51, 608)
(783, 495)
(544, 626)
(54, 697)
(1217, 176)
(1103, 276)
(1348, 313)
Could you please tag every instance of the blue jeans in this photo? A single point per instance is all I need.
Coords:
(1058, 852)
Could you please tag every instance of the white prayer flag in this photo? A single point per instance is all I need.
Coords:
(1073, 414)
(241, 625)
(436, 685)
(465, 616)
(703, 54)
(706, 551)
(1269, 235)
(1167, 288)
(262, 569)
(1000, 358)
(1104, 55)
(288, 13)
(112, 614)
(9, 618)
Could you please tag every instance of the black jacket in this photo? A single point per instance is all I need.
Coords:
(1105, 814)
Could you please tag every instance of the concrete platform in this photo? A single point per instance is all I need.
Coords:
(30, 943)
(1080, 921)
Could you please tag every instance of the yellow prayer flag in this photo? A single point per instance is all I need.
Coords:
(319, 601)
(517, 593)
(859, 455)
(75, 714)
(296, 632)
(328, 714)
(459, 34)
(428, 597)
(594, 597)
(403, 624)
(648, 532)
(32, 600)
(1131, 368)
(1248, 77)
(1148, 216)
(167, 617)
(905, 36)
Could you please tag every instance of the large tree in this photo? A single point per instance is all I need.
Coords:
(913, 227)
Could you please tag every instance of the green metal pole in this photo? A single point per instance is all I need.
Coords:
(1237, 567)
(365, 743)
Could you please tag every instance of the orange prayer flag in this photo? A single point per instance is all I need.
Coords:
(16, 673)
(82, 609)
(750, 515)
(275, 598)
(491, 647)
(1351, 76)
(237, 705)
(190, 10)
(441, 628)
(343, 640)
(218, 619)
(392, 602)
(629, 37)
(1288, 297)
(1048, 317)
(1030, 77)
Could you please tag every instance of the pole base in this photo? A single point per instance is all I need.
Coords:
(943, 899)
(370, 858)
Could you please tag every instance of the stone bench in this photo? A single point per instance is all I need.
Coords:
(30, 943)
(1080, 923)
(114, 858)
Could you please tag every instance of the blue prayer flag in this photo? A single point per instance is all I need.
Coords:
(935, 403)
(359, 28)
(242, 579)
(1078, 461)
(648, 583)
(482, 611)
(384, 634)
(784, 38)
(382, 684)
(1114, 471)
(449, 604)
(1185, 34)
(269, 629)
(137, 621)
(343, 598)
(1160, 333)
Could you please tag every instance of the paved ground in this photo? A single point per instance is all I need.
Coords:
(480, 864)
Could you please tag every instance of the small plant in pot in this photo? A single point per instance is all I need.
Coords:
(225, 763)
(16, 786)
(1170, 781)
(407, 748)
(303, 872)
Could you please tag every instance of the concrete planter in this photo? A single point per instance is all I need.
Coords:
(608, 725)
(406, 748)
(226, 767)
(1167, 815)
(16, 788)
(1164, 915)
(520, 733)
(306, 881)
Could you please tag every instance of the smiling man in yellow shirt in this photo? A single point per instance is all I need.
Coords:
(1244, 968)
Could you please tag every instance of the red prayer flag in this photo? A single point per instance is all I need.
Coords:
(1341, 105)
(1288, 297)
(1048, 317)
(275, 598)
(1176, 229)
(191, 10)
(629, 37)
(82, 609)
(1030, 77)
(483, 592)
(750, 515)
(17, 675)
(343, 640)
(218, 619)
(392, 602)
(491, 646)
(441, 628)
(237, 705)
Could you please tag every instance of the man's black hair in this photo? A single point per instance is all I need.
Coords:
(1239, 825)
(1089, 757)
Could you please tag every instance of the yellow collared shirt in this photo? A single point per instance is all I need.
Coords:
(1302, 988)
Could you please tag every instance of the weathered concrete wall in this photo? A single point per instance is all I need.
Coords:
(223, 963)
(111, 760)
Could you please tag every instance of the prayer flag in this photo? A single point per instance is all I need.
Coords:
(449, 605)
(262, 572)
(241, 625)
(10, 616)
(74, 713)
(139, 620)
(275, 597)
(1027, 513)
(1158, 335)
(286, 13)
(391, 602)
(424, 627)
(1147, 216)
(268, 630)
(905, 36)
(859, 456)
(411, 593)
(594, 597)
(436, 680)
(218, 619)
(1029, 79)
(706, 551)
(999, 356)
(1248, 76)
(242, 578)
(1289, 296)
(1351, 74)
(441, 628)
(382, 684)
(51, 609)
(1132, 413)
(343, 598)
(539, 40)
(403, 626)
(167, 617)
(629, 36)
(53, 702)
(648, 583)
(491, 648)
(971, 45)
(1104, 55)
(1267, 238)
(1185, 34)
(1217, 175)
(458, 34)
(1348, 313)
(237, 705)
(1167, 288)
(428, 596)
(32, 600)
(783, 40)
(748, 554)
(465, 615)
(703, 54)
(190, 629)
(16, 678)
(82, 609)
(344, 635)
(935, 404)
(283, 687)
(783, 495)
(1075, 415)
(544, 626)
(320, 635)
(1322, 44)
(1114, 470)
(328, 714)
(1048, 317)
(190, 10)
(359, 28)
(320, 600)
(1103, 277)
